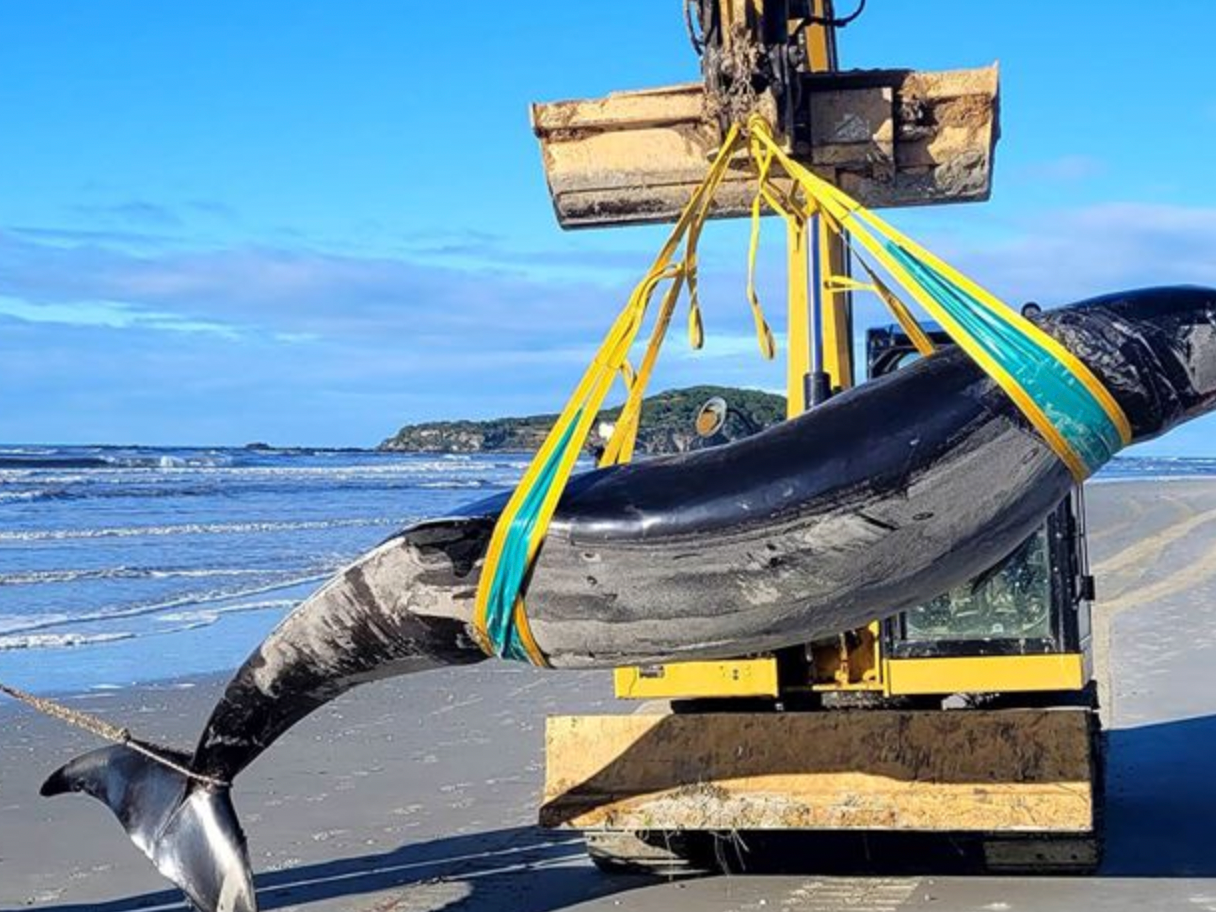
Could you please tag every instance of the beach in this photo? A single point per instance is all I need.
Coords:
(421, 793)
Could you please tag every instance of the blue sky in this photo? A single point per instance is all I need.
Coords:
(310, 222)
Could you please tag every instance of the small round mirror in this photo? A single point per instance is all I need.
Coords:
(711, 417)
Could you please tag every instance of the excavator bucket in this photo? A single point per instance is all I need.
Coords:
(886, 137)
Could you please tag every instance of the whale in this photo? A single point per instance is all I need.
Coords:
(884, 496)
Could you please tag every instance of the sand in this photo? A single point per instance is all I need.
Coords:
(421, 794)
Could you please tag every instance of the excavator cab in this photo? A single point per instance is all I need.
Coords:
(1035, 602)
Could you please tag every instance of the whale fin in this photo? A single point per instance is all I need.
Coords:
(188, 830)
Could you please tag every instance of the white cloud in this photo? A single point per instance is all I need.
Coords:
(108, 314)
(394, 339)
(1066, 255)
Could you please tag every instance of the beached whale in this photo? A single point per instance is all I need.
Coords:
(883, 497)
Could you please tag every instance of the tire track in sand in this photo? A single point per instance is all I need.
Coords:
(1131, 563)
(1139, 555)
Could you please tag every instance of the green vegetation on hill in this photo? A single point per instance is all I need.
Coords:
(666, 427)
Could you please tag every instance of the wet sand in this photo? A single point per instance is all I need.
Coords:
(421, 794)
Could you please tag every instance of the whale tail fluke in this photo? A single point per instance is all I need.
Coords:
(188, 829)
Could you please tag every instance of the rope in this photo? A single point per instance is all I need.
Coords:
(106, 731)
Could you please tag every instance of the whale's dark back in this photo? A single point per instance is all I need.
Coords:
(1153, 348)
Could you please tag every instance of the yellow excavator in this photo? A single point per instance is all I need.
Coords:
(970, 720)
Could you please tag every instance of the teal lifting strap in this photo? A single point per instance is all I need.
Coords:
(501, 630)
(1067, 402)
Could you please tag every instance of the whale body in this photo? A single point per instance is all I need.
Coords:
(878, 500)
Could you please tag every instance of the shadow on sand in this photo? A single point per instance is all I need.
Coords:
(1161, 801)
(524, 869)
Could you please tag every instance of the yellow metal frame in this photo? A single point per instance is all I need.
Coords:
(798, 338)
(755, 677)
(986, 674)
(850, 662)
(821, 40)
(837, 310)
(758, 676)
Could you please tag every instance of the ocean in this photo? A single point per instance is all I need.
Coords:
(122, 565)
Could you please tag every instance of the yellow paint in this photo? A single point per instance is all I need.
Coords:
(837, 337)
(821, 42)
(850, 662)
(985, 674)
(732, 678)
(798, 343)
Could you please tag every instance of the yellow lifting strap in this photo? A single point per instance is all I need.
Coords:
(903, 316)
(798, 320)
(624, 436)
(799, 331)
(500, 621)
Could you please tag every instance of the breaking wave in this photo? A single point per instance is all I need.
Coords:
(37, 577)
(59, 640)
(125, 612)
(211, 615)
(194, 529)
(57, 461)
(30, 496)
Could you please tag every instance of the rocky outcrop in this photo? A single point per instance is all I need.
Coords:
(667, 425)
